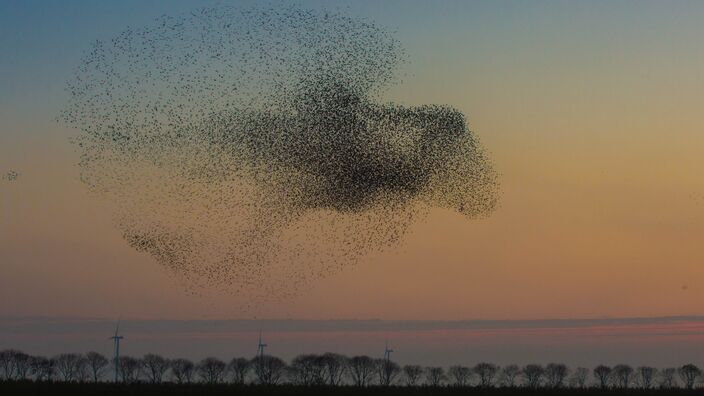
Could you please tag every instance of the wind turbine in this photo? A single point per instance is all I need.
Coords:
(116, 338)
(261, 346)
(387, 351)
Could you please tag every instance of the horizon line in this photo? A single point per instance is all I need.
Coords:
(603, 319)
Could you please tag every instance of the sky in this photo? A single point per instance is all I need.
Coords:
(659, 342)
(591, 112)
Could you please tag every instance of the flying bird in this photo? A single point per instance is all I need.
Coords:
(249, 150)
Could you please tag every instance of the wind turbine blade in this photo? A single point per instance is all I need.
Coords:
(117, 327)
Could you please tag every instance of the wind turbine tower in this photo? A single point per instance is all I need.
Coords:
(261, 346)
(116, 338)
(387, 352)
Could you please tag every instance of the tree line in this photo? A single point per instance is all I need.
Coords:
(332, 369)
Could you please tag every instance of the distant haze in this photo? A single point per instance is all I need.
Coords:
(590, 111)
(654, 341)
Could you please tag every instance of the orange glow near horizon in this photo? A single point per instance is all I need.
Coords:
(592, 116)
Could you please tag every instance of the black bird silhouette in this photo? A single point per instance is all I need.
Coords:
(249, 150)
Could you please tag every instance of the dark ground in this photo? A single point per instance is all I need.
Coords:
(27, 388)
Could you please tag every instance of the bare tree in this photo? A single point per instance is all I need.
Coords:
(361, 370)
(486, 373)
(318, 366)
(434, 376)
(667, 378)
(300, 370)
(306, 370)
(268, 369)
(211, 370)
(182, 370)
(623, 375)
(579, 377)
(603, 375)
(460, 375)
(334, 367)
(83, 369)
(155, 367)
(68, 366)
(7, 363)
(645, 376)
(97, 365)
(42, 368)
(23, 365)
(387, 371)
(329, 369)
(508, 375)
(130, 369)
(555, 374)
(14, 364)
(689, 374)
(239, 368)
(533, 375)
(412, 373)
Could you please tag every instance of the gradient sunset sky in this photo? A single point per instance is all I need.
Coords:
(592, 113)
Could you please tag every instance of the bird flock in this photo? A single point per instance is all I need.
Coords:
(249, 150)
(11, 175)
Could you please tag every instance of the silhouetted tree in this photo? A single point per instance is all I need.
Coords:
(307, 370)
(412, 374)
(182, 370)
(97, 365)
(387, 371)
(7, 363)
(268, 369)
(533, 375)
(508, 375)
(579, 377)
(318, 370)
(460, 375)
(155, 367)
(622, 375)
(329, 369)
(68, 366)
(603, 375)
(42, 368)
(361, 369)
(23, 365)
(667, 378)
(14, 364)
(486, 373)
(555, 374)
(689, 374)
(239, 368)
(211, 370)
(645, 376)
(334, 367)
(130, 369)
(434, 376)
(299, 371)
(83, 373)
